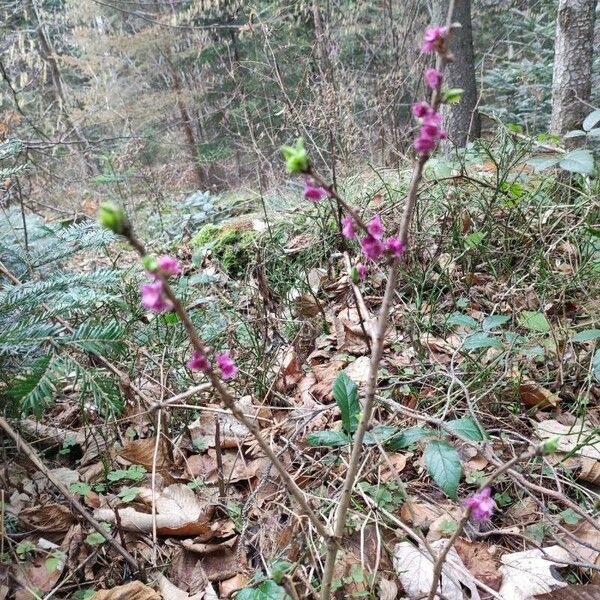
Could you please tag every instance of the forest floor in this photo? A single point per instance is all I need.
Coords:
(491, 351)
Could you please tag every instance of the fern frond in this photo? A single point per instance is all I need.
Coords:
(34, 391)
(20, 336)
(102, 338)
(56, 287)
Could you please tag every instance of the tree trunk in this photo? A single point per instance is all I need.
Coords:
(573, 54)
(47, 54)
(462, 120)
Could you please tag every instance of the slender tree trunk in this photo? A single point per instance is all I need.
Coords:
(573, 54)
(47, 54)
(186, 119)
(462, 121)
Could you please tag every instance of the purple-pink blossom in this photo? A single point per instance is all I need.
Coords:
(372, 247)
(361, 270)
(423, 145)
(482, 505)
(226, 365)
(313, 191)
(154, 299)
(348, 227)
(434, 38)
(433, 78)
(375, 227)
(394, 246)
(169, 265)
(430, 133)
(198, 362)
(420, 109)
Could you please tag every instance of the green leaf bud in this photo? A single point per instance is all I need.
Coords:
(112, 217)
(296, 157)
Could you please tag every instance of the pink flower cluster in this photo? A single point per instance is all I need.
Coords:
(482, 505)
(313, 191)
(153, 293)
(434, 39)
(373, 245)
(199, 362)
(431, 128)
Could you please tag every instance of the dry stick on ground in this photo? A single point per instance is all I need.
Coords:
(30, 453)
(377, 353)
(227, 399)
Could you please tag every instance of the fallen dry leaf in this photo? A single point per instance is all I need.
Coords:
(525, 574)
(50, 517)
(585, 533)
(479, 560)
(141, 452)
(170, 591)
(135, 590)
(232, 432)
(534, 395)
(233, 584)
(414, 568)
(580, 435)
(179, 512)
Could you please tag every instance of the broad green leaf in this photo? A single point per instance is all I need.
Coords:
(128, 494)
(408, 438)
(540, 164)
(327, 438)
(591, 120)
(381, 434)
(345, 393)
(79, 487)
(443, 464)
(95, 539)
(534, 321)
(474, 239)
(481, 340)
(578, 161)
(467, 428)
(574, 134)
(267, 590)
(494, 321)
(596, 365)
(453, 95)
(587, 335)
(569, 516)
(462, 320)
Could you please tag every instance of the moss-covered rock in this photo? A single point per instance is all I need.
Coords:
(232, 244)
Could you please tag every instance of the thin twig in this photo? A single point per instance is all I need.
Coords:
(227, 399)
(377, 350)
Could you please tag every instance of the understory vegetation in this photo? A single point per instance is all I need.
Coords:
(362, 365)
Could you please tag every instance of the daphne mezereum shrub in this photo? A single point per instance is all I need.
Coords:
(373, 243)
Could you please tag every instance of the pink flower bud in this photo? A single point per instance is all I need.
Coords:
(372, 247)
(482, 505)
(198, 362)
(226, 365)
(434, 38)
(423, 145)
(420, 109)
(394, 246)
(348, 228)
(433, 78)
(361, 270)
(169, 265)
(154, 299)
(375, 227)
(313, 192)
